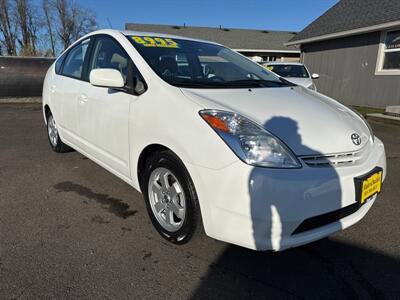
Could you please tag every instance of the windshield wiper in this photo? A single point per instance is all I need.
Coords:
(258, 82)
(244, 83)
(200, 84)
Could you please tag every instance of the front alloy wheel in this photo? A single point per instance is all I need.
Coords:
(171, 198)
(167, 199)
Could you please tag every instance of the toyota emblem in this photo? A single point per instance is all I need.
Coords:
(356, 139)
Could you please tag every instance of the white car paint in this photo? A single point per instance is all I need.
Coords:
(307, 82)
(255, 207)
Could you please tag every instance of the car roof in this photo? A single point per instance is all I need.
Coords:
(114, 32)
(142, 33)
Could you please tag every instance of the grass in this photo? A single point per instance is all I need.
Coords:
(367, 110)
(370, 110)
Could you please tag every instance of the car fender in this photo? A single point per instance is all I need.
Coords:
(154, 119)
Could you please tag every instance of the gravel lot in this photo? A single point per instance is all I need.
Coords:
(69, 229)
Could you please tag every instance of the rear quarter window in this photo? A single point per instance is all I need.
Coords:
(59, 63)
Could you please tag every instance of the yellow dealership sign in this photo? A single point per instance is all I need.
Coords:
(158, 42)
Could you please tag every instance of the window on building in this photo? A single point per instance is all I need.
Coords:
(391, 59)
(389, 54)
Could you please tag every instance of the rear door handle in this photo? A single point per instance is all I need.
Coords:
(53, 89)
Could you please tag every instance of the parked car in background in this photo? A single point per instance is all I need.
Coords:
(293, 72)
(212, 139)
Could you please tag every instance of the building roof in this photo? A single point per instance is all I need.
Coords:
(349, 17)
(249, 40)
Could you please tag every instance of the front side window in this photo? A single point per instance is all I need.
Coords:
(285, 70)
(391, 56)
(108, 54)
(73, 65)
(194, 64)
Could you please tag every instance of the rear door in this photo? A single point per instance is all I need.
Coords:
(57, 90)
(72, 82)
(103, 112)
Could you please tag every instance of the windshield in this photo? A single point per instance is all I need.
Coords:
(289, 70)
(193, 64)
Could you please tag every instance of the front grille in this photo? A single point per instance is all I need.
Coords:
(325, 219)
(335, 160)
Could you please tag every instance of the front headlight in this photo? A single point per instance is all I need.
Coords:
(250, 142)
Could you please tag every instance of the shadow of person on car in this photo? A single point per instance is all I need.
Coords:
(281, 199)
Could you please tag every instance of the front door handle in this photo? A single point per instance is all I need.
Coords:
(82, 99)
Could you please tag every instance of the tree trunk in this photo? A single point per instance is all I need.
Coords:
(7, 28)
(49, 24)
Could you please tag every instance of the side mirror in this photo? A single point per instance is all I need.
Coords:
(315, 76)
(139, 87)
(110, 78)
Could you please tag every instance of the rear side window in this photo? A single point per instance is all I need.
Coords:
(73, 65)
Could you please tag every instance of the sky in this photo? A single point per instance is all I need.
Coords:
(290, 15)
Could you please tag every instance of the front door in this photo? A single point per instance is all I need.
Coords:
(103, 113)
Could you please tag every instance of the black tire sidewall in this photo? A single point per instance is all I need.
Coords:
(192, 222)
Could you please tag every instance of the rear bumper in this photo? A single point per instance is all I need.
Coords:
(260, 208)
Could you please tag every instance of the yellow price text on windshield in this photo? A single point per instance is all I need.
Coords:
(148, 41)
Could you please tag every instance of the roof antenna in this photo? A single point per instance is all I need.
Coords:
(109, 23)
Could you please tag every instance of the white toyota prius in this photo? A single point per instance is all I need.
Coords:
(214, 141)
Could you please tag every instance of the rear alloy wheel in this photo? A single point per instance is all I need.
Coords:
(54, 138)
(171, 198)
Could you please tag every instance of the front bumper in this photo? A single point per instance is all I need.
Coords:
(260, 208)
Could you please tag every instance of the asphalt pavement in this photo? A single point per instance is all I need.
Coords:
(70, 229)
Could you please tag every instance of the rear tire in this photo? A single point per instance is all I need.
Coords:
(171, 198)
(54, 138)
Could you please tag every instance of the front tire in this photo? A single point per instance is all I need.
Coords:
(54, 138)
(171, 198)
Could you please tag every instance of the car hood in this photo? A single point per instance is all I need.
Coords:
(306, 82)
(308, 122)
